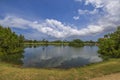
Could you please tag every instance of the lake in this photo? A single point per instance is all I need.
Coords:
(59, 56)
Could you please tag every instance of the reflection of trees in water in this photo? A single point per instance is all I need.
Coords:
(34, 45)
(44, 47)
(12, 58)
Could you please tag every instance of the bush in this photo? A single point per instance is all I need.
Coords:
(110, 45)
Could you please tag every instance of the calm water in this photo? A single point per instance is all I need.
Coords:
(60, 56)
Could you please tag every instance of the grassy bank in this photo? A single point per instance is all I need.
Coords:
(14, 72)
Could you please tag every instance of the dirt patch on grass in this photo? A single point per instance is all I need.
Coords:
(115, 76)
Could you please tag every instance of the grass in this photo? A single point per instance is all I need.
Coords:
(14, 72)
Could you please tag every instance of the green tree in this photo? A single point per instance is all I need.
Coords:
(109, 46)
(10, 42)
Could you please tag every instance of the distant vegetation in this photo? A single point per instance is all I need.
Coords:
(76, 43)
(109, 46)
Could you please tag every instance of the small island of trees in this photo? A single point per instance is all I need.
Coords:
(76, 43)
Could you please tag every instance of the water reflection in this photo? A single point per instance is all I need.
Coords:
(12, 58)
(60, 56)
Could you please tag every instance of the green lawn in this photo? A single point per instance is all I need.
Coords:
(14, 72)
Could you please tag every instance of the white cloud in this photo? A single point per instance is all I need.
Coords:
(14, 22)
(76, 17)
(78, 0)
(95, 11)
(95, 3)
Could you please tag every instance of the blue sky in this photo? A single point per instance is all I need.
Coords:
(60, 19)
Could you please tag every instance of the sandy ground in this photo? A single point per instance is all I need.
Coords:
(109, 77)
